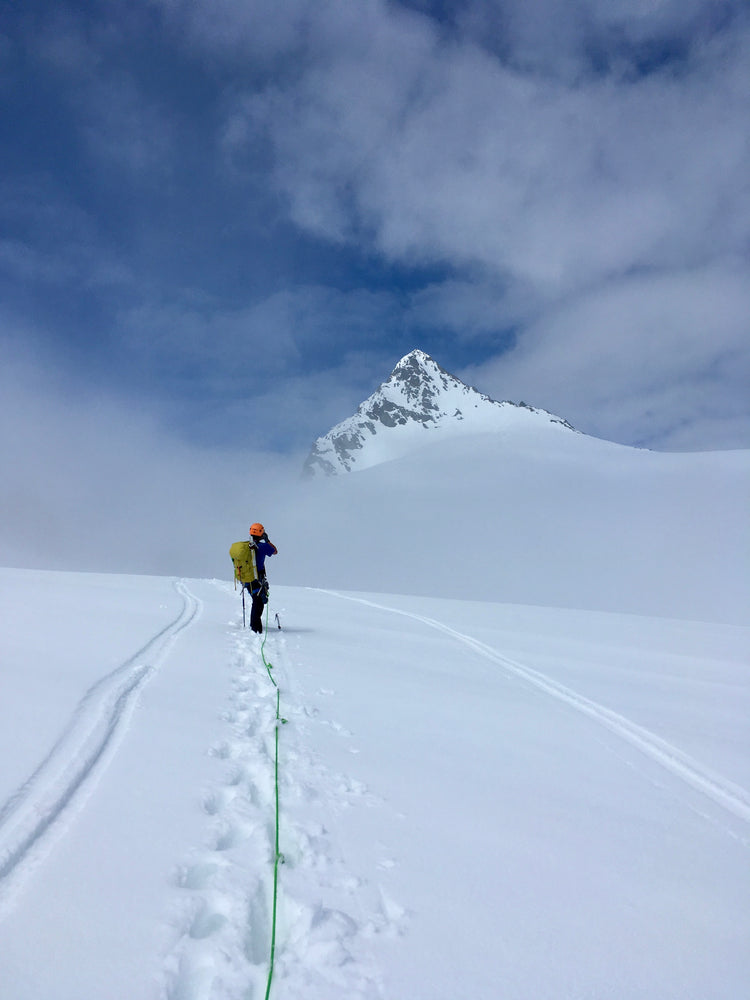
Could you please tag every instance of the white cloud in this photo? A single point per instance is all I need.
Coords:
(660, 359)
(597, 209)
(440, 153)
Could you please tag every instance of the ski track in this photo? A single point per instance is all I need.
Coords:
(222, 919)
(723, 792)
(43, 806)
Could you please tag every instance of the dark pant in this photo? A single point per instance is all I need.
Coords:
(258, 591)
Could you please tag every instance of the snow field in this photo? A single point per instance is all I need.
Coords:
(62, 780)
(475, 798)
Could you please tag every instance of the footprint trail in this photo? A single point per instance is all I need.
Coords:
(222, 925)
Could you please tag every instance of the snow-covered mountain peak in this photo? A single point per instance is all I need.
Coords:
(419, 403)
(420, 379)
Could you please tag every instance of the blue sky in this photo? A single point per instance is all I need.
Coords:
(232, 217)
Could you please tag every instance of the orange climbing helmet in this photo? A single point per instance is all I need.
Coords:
(257, 530)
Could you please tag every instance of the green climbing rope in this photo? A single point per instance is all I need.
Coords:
(278, 857)
(266, 664)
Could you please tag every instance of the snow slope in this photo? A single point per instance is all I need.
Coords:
(476, 799)
(534, 515)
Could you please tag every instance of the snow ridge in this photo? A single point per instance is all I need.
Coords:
(725, 793)
(77, 760)
(418, 400)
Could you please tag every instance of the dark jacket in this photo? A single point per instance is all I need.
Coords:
(263, 549)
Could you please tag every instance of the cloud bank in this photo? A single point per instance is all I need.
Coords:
(89, 483)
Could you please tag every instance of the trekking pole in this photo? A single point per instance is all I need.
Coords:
(243, 605)
(278, 623)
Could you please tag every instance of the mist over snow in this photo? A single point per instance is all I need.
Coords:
(537, 515)
(91, 482)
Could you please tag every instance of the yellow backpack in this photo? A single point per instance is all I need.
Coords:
(242, 555)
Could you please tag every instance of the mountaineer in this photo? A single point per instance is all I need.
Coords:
(249, 561)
